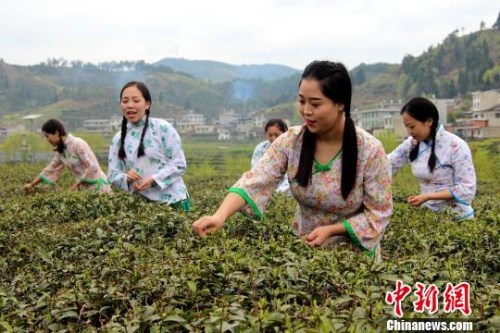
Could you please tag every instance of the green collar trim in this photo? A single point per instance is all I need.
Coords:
(325, 167)
(140, 123)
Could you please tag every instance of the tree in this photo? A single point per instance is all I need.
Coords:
(359, 76)
(463, 82)
(497, 23)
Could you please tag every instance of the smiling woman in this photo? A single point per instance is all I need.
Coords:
(146, 156)
(339, 174)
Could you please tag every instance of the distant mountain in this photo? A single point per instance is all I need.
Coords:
(215, 71)
(77, 91)
(85, 91)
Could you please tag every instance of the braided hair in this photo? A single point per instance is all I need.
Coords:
(147, 96)
(336, 85)
(52, 126)
(422, 110)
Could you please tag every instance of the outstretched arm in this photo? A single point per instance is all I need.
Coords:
(29, 186)
(229, 206)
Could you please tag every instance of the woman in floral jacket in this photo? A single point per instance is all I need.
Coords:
(73, 153)
(339, 174)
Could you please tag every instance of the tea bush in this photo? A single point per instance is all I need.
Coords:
(78, 261)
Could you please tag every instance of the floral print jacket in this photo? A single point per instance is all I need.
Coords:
(366, 212)
(81, 162)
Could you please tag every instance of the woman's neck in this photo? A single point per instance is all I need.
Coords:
(335, 134)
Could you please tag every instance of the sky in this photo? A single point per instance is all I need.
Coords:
(286, 32)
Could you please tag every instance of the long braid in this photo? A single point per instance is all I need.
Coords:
(140, 152)
(303, 176)
(432, 157)
(121, 152)
(349, 155)
(60, 145)
(414, 152)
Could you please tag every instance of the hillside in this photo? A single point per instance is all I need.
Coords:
(215, 71)
(77, 91)
(86, 93)
(454, 67)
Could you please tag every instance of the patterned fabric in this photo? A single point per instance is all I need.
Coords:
(259, 151)
(163, 159)
(365, 214)
(81, 162)
(454, 171)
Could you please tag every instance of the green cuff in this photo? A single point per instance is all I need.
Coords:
(100, 182)
(45, 180)
(247, 199)
(185, 205)
(356, 241)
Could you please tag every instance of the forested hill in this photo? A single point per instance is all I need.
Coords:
(458, 65)
(90, 91)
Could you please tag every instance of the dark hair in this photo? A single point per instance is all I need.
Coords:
(278, 123)
(422, 110)
(52, 126)
(147, 96)
(336, 85)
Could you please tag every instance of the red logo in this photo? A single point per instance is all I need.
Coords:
(454, 298)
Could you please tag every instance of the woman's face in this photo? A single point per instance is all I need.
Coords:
(133, 104)
(53, 139)
(321, 114)
(419, 130)
(272, 133)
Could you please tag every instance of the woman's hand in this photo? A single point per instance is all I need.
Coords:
(417, 200)
(207, 224)
(320, 235)
(76, 186)
(143, 183)
(133, 176)
(28, 187)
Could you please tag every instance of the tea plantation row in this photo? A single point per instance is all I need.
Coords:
(78, 262)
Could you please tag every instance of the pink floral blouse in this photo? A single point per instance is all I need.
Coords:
(365, 214)
(81, 162)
